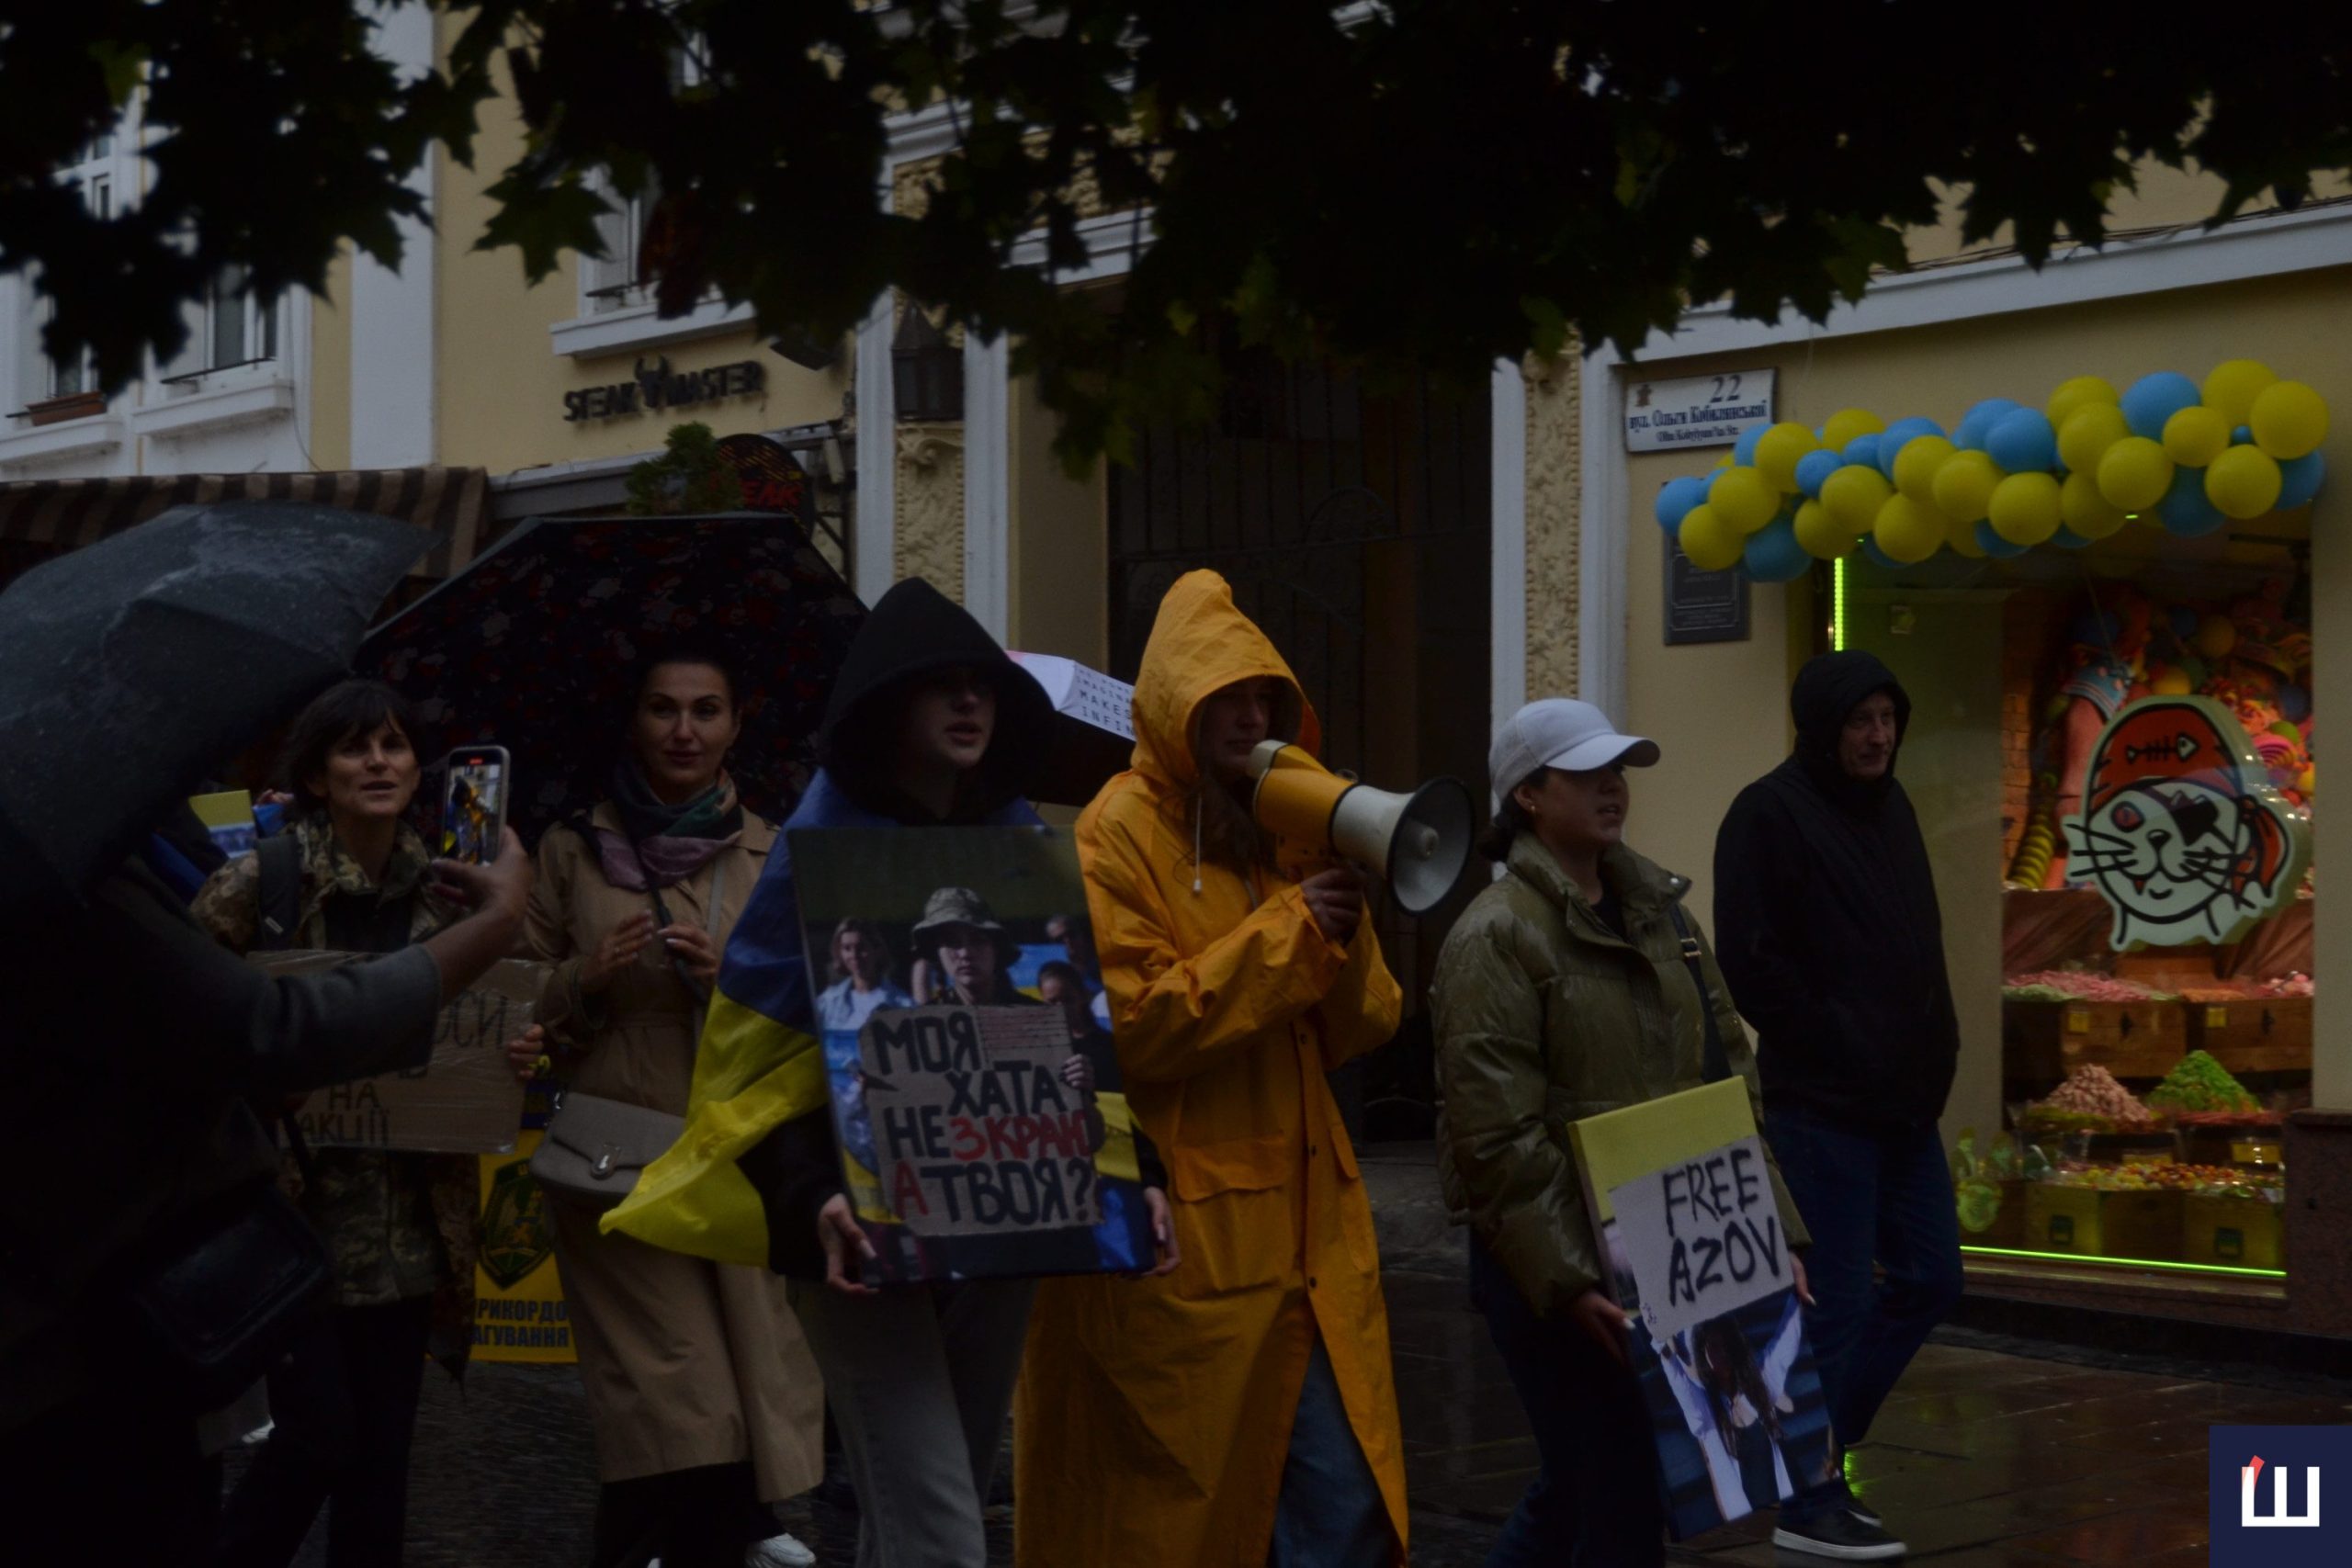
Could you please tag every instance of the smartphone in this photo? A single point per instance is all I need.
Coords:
(473, 803)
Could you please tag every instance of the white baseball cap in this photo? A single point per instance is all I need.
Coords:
(1560, 732)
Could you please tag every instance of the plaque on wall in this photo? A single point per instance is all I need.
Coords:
(1703, 606)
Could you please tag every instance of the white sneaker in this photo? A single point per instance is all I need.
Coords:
(778, 1552)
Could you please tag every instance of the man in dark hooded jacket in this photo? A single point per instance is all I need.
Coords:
(1829, 932)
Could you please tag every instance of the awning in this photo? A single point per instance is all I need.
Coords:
(448, 504)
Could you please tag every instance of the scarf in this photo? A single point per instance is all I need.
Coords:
(663, 845)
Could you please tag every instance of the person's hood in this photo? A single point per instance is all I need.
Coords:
(1200, 644)
(1828, 689)
(915, 631)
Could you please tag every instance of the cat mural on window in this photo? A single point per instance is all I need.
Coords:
(2180, 828)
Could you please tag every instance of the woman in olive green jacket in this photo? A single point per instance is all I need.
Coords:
(1563, 991)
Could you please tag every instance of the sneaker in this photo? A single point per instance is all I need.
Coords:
(1841, 1536)
(1863, 1512)
(778, 1552)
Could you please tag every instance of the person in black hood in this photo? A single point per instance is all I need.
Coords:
(930, 723)
(1830, 934)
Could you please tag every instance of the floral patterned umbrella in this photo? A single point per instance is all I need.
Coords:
(532, 646)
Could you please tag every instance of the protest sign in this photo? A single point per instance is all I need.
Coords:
(464, 1099)
(519, 1311)
(981, 1124)
(1681, 1198)
(973, 1122)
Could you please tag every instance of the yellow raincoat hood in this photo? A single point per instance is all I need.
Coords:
(1200, 644)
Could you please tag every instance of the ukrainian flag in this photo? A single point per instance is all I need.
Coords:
(757, 1067)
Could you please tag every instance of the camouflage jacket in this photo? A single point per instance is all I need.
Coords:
(397, 1224)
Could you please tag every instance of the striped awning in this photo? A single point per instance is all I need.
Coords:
(449, 503)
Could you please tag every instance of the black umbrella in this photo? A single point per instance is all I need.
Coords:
(532, 647)
(131, 668)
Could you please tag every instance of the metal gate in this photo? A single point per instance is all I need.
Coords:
(1353, 523)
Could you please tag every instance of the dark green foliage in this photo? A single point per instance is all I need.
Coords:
(1432, 186)
(689, 478)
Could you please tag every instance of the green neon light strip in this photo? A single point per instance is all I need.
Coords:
(2129, 1262)
(1837, 604)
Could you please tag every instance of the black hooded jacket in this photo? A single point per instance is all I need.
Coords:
(1826, 924)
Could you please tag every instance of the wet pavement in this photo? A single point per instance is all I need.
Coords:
(1982, 1458)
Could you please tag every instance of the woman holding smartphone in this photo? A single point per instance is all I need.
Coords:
(398, 1227)
(1574, 984)
(705, 1403)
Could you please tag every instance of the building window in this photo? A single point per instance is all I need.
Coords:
(619, 279)
(231, 327)
(92, 174)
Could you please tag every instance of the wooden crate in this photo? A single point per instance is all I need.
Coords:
(2044, 1041)
(2261, 1034)
(2102, 1224)
(2007, 1226)
(2244, 1232)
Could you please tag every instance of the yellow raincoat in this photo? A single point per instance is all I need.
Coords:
(1154, 1416)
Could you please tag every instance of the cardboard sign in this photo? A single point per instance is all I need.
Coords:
(975, 1126)
(976, 1098)
(1702, 1236)
(464, 1099)
(1681, 1199)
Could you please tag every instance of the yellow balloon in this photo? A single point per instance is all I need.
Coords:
(2289, 419)
(2172, 683)
(2080, 392)
(1915, 466)
(1712, 544)
(1961, 537)
(2084, 510)
(1853, 495)
(1962, 488)
(2232, 385)
(2134, 474)
(2087, 432)
(1907, 531)
(1844, 424)
(1723, 462)
(1777, 451)
(1743, 498)
(2216, 634)
(2244, 482)
(2025, 508)
(1823, 536)
(2196, 435)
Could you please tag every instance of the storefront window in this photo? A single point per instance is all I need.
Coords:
(2153, 795)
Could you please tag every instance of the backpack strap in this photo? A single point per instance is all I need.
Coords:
(1717, 1060)
(280, 859)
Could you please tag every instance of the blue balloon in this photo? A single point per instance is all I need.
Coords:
(2185, 511)
(1969, 434)
(1879, 558)
(1743, 451)
(2294, 703)
(2242, 437)
(1676, 498)
(2183, 620)
(2022, 442)
(1773, 554)
(2065, 539)
(1862, 451)
(2152, 400)
(1813, 468)
(1899, 434)
(2299, 479)
(1993, 544)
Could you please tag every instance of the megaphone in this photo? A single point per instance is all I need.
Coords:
(1417, 842)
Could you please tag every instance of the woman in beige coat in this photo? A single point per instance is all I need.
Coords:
(706, 1402)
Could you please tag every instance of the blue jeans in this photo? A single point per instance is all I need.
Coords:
(1869, 1195)
(1594, 1503)
(1331, 1514)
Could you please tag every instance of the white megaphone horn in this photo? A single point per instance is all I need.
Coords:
(1417, 842)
